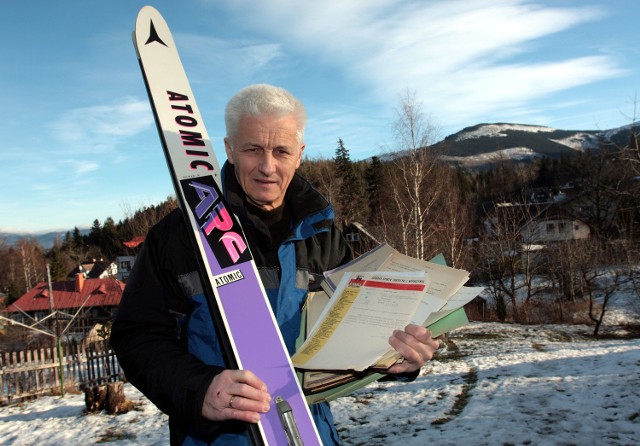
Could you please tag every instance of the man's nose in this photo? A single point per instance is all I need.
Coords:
(267, 163)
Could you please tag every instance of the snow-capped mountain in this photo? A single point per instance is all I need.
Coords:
(483, 144)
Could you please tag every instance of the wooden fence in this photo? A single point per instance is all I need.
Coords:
(31, 373)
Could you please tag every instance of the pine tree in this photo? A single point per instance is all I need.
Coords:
(110, 239)
(95, 233)
(77, 239)
(342, 160)
(350, 188)
(373, 179)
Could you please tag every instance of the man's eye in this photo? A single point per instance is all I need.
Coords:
(283, 152)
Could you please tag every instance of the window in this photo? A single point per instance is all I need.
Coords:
(550, 228)
(352, 237)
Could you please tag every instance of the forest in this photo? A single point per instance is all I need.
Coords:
(412, 199)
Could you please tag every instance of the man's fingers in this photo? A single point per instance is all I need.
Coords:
(415, 344)
(249, 378)
(249, 398)
(240, 408)
(420, 333)
(238, 395)
(251, 391)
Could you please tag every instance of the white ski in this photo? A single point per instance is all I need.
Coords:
(237, 298)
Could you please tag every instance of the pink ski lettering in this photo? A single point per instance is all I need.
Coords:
(234, 244)
(218, 219)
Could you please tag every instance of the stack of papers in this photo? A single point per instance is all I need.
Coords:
(348, 325)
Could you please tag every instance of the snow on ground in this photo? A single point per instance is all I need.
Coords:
(62, 421)
(494, 384)
(507, 385)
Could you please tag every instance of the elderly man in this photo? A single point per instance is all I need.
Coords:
(164, 335)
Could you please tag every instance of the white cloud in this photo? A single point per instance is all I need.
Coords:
(80, 168)
(464, 59)
(207, 57)
(103, 125)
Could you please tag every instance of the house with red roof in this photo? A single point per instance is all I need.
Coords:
(125, 263)
(93, 300)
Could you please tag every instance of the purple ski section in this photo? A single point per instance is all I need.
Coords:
(254, 344)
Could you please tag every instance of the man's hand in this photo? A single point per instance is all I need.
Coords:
(236, 395)
(416, 346)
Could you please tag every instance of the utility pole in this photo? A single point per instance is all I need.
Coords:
(56, 330)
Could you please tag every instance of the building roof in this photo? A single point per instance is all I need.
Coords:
(134, 242)
(92, 269)
(94, 292)
(99, 268)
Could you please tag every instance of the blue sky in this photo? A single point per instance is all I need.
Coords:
(77, 137)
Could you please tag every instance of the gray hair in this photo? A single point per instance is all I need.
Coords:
(263, 99)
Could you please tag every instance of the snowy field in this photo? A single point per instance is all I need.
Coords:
(494, 384)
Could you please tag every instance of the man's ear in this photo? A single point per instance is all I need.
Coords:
(300, 155)
(229, 150)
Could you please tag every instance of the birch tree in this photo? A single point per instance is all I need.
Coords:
(412, 174)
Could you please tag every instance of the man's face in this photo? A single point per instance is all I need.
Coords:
(266, 153)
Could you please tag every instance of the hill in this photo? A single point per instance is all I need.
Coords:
(477, 147)
(45, 240)
(481, 145)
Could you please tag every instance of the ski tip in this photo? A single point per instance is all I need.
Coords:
(151, 28)
(146, 15)
(148, 10)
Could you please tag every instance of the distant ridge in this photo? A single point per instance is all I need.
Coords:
(479, 145)
(45, 240)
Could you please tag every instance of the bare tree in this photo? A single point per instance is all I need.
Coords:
(634, 274)
(590, 271)
(31, 261)
(454, 221)
(414, 181)
(321, 173)
(562, 275)
(631, 152)
(512, 261)
(601, 278)
(139, 222)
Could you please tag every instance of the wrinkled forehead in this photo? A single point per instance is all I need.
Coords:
(269, 128)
